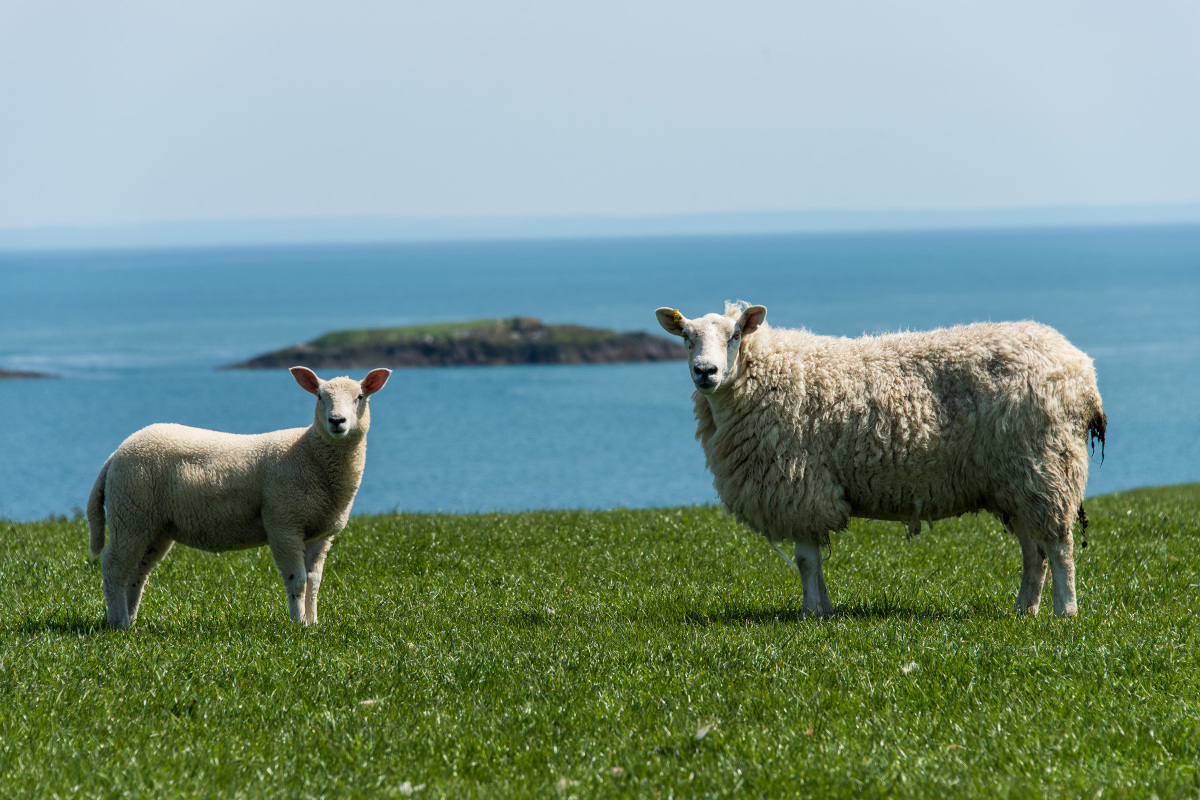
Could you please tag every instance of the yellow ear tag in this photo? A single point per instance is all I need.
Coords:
(678, 316)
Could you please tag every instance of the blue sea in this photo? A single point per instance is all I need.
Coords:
(137, 336)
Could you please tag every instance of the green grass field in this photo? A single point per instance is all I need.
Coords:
(628, 653)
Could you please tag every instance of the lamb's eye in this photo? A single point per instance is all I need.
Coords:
(360, 399)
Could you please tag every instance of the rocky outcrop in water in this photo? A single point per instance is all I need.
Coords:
(494, 342)
(6, 374)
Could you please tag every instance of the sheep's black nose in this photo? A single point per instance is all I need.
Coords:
(705, 371)
(337, 420)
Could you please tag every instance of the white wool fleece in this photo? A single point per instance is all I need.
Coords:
(804, 431)
(290, 489)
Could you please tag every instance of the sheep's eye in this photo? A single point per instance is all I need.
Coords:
(360, 399)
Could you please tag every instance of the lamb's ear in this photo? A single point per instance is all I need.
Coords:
(307, 379)
(671, 320)
(374, 381)
(751, 318)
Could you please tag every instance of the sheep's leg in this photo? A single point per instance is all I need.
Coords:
(826, 605)
(288, 552)
(115, 570)
(1033, 574)
(155, 553)
(816, 598)
(314, 563)
(1062, 570)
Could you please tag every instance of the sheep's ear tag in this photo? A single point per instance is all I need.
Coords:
(677, 316)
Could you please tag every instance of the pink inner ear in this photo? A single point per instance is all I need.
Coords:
(307, 379)
(375, 380)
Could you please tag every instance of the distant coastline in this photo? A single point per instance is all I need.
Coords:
(364, 230)
(487, 342)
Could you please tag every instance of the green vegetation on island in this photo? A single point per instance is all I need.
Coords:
(487, 342)
(612, 654)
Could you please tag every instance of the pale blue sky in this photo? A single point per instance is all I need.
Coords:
(130, 112)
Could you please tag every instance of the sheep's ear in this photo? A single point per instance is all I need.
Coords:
(752, 317)
(374, 381)
(671, 320)
(307, 379)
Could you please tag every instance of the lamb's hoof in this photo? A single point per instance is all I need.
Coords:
(1027, 611)
(1069, 612)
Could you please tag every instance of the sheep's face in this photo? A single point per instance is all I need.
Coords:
(713, 342)
(342, 408)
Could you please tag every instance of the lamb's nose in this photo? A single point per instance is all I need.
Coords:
(337, 420)
(705, 371)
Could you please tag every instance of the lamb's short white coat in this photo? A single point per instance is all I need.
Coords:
(290, 489)
(802, 432)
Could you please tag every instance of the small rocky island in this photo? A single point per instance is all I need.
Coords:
(6, 374)
(486, 342)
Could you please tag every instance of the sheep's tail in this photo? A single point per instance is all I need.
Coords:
(1089, 408)
(1097, 425)
(95, 512)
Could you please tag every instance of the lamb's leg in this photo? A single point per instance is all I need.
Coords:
(816, 599)
(155, 553)
(1033, 574)
(288, 552)
(1062, 569)
(115, 570)
(314, 562)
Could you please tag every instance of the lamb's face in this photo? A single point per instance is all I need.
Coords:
(342, 407)
(713, 343)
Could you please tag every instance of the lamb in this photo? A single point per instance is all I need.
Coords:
(289, 489)
(802, 432)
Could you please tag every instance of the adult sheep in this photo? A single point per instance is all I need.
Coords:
(802, 432)
(289, 489)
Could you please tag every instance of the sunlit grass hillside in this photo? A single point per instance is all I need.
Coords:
(629, 653)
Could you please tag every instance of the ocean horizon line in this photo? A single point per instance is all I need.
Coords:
(384, 230)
